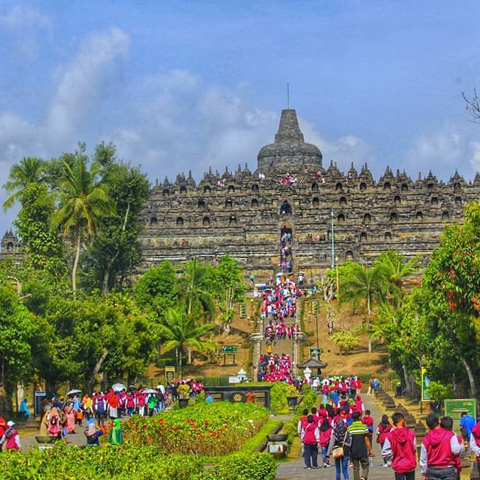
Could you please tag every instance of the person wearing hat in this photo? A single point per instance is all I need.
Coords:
(11, 438)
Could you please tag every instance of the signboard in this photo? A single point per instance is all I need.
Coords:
(455, 407)
(39, 397)
(425, 385)
(233, 379)
(232, 349)
(315, 352)
(169, 374)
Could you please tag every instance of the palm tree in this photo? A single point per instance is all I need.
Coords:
(84, 203)
(180, 331)
(396, 269)
(30, 170)
(359, 283)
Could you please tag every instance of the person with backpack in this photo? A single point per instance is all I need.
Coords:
(325, 437)
(383, 428)
(11, 437)
(100, 409)
(341, 439)
(310, 440)
(438, 452)
(400, 449)
(361, 449)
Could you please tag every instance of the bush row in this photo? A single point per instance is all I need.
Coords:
(129, 462)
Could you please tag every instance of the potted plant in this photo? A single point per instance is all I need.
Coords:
(292, 396)
(183, 391)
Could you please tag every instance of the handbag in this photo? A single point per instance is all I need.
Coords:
(339, 452)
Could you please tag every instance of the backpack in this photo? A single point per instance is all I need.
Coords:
(101, 406)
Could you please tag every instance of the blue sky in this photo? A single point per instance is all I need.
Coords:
(181, 85)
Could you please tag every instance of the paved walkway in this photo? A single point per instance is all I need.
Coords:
(295, 470)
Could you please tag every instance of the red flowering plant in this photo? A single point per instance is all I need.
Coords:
(204, 429)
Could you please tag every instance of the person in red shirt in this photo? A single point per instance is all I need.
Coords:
(382, 430)
(325, 437)
(400, 448)
(310, 441)
(3, 429)
(438, 452)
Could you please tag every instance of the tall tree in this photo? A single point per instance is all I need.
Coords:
(84, 204)
(29, 171)
(179, 331)
(40, 242)
(115, 250)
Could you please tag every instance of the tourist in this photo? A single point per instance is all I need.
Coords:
(475, 442)
(438, 452)
(310, 439)
(368, 421)
(54, 422)
(370, 387)
(341, 438)
(447, 424)
(11, 438)
(302, 422)
(115, 436)
(383, 428)
(400, 449)
(467, 422)
(93, 435)
(325, 437)
(3, 429)
(24, 409)
(361, 448)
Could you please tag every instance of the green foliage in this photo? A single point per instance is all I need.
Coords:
(278, 398)
(209, 429)
(257, 466)
(115, 251)
(439, 392)
(124, 462)
(40, 242)
(16, 333)
(157, 289)
(345, 341)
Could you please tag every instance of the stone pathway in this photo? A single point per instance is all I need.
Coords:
(295, 470)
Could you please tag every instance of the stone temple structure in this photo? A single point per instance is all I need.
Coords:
(330, 217)
(291, 192)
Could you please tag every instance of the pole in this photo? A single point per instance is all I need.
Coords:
(333, 241)
(288, 95)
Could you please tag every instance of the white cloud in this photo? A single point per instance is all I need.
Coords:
(25, 24)
(444, 152)
(84, 81)
(343, 150)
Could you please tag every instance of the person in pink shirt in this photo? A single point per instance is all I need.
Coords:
(400, 449)
(325, 437)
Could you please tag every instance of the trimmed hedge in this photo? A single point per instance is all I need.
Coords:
(130, 463)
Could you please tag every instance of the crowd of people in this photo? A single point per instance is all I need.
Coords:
(62, 416)
(279, 310)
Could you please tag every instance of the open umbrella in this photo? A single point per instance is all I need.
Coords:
(75, 391)
(149, 390)
(118, 387)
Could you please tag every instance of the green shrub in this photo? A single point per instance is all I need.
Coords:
(278, 398)
(257, 466)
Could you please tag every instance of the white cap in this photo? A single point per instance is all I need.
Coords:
(10, 423)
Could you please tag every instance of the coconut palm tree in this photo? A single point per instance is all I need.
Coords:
(84, 202)
(30, 170)
(180, 332)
